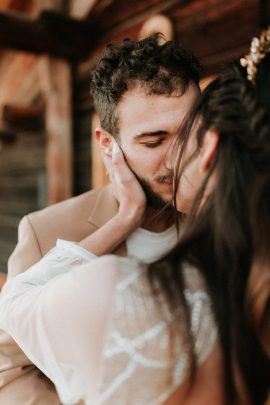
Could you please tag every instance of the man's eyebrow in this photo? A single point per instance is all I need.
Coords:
(150, 133)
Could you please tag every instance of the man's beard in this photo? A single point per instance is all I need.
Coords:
(154, 200)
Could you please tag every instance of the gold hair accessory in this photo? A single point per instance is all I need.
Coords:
(258, 49)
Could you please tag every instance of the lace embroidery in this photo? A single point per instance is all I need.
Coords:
(138, 346)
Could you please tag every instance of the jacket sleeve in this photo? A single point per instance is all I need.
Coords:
(17, 373)
(27, 252)
(65, 300)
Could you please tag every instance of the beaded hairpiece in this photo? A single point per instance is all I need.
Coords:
(258, 49)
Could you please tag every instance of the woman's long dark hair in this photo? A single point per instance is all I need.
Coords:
(228, 239)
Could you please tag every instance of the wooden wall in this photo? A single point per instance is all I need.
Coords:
(35, 166)
(81, 137)
(216, 30)
(22, 186)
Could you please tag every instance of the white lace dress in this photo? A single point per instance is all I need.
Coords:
(93, 326)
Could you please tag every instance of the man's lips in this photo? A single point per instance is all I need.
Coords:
(165, 180)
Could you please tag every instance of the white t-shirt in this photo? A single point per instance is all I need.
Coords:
(149, 246)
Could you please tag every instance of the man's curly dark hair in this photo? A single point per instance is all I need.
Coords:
(159, 69)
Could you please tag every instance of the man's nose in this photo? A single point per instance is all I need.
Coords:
(170, 157)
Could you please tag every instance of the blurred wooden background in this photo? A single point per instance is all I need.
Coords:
(47, 48)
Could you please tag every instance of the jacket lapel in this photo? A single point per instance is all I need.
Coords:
(105, 208)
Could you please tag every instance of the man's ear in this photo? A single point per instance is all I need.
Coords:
(209, 149)
(104, 139)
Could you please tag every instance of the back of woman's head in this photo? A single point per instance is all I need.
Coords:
(239, 110)
(229, 238)
(237, 106)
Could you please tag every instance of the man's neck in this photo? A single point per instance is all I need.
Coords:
(157, 221)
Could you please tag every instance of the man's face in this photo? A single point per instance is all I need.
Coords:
(147, 127)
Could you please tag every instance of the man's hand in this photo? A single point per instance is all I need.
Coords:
(127, 190)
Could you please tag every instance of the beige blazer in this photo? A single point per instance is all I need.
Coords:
(21, 383)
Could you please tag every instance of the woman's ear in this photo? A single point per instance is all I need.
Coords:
(104, 139)
(209, 149)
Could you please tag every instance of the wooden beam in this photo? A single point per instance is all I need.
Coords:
(7, 136)
(56, 90)
(19, 82)
(24, 118)
(117, 13)
(51, 33)
(14, 5)
(202, 28)
(122, 15)
(265, 13)
(70, 38)
(81, 8)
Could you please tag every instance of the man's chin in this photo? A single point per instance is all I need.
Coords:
(154, 199)
(157, 202)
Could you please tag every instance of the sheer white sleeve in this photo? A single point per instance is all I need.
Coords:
(94, 327)
(58, 312)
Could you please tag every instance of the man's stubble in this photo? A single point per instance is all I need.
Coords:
(154, 199)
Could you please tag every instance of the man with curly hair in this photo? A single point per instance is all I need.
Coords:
(142, 92)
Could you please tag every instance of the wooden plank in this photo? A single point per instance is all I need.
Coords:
(124, 17)
(9, 221)
(81, 8)
(6, 248)
(28, 118)
(18, 78)
(56, 87)
(265, 13)
(7, 136)
(18, 5)
(19, 208)
(200, 26)
(17, 181)
(119, 13)
(23, 158)
(81, 145)
(9, 234)
(21, 166)
(203, 31)
(51, 32)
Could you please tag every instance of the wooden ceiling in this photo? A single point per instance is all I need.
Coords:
(216, 30)
(51, 33)
(16, 5)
